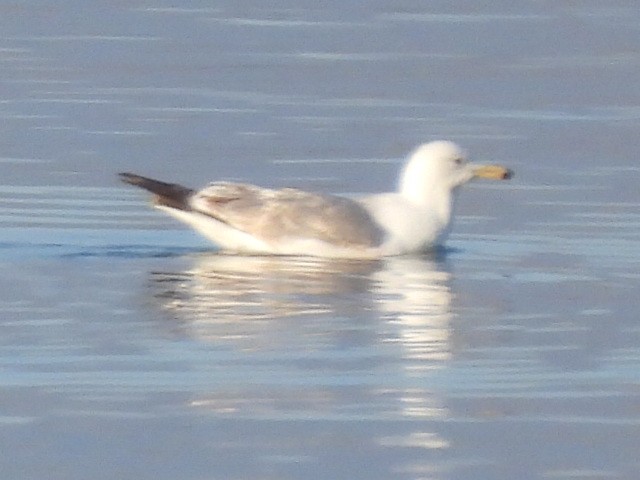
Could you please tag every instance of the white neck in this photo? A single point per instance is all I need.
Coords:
(425, 191)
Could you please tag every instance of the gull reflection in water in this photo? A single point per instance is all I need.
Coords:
(343, 333)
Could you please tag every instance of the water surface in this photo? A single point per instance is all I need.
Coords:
(132, 349)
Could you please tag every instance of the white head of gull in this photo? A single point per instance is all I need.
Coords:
(244, 218)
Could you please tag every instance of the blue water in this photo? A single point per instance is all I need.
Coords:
(131, 348)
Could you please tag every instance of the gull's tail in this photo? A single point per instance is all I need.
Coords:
(165, 194)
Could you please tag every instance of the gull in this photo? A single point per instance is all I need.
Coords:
(248, 219)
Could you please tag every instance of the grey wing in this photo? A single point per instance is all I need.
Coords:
(272, 215)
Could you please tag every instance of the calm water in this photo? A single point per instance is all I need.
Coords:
(130, 349)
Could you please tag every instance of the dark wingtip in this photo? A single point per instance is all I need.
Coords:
(165, 194)
(131, 178)
(508, 174)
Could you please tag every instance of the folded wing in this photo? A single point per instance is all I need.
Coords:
(275, 215)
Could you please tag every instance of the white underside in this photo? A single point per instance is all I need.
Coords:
(235, 241)
(410, 227)
(218, 232)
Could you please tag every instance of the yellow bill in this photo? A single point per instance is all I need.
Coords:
(493, 172)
